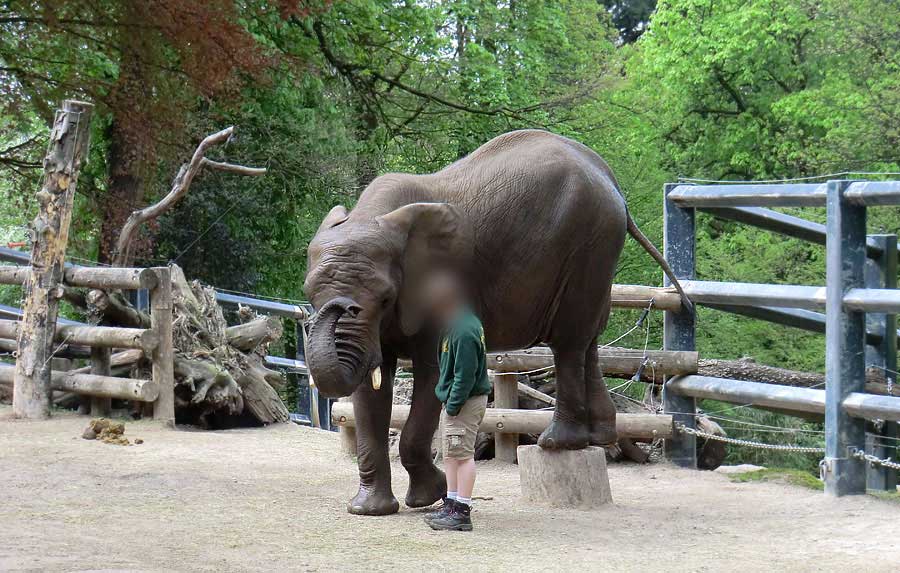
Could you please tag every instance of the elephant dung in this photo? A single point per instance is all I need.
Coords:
(565, 478)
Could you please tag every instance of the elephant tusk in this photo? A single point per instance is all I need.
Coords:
(376, 378)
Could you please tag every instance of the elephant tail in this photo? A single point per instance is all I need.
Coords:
(651, 249)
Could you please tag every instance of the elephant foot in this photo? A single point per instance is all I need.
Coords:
(426, 487)
(604, 435)
(564, 436)
(368, 502)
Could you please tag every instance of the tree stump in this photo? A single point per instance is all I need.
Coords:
(564, 478)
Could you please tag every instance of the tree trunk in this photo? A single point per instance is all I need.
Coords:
(130, 146)
(69, 143)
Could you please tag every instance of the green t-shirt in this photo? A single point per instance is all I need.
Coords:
(463, 363)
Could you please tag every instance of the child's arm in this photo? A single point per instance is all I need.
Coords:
(465, 365)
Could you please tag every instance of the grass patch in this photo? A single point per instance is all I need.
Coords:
(892, 497)
(798, 478)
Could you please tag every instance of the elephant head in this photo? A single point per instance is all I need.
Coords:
(364, 274)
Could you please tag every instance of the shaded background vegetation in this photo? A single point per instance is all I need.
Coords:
(330, 94)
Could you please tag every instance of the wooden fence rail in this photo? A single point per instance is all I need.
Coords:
(512, 421)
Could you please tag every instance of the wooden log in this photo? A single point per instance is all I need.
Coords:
(69, 142)
(62, 351)
(348, 433)
(498, 420)
(115, 309)
(564, 478)
(212, 386)
(101, 336)
(100, 366)
(613, 361)
(118, 360)
(164, 353)
(248, 336)
(506, 395)
(91, 385)
(526, 390)
(93, 277)
(110, 278)
(259, 397)
(632, 451)
(14, 275)
(109, 337)
(639, 296)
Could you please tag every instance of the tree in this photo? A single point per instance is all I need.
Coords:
(765, 89)
(146, 65)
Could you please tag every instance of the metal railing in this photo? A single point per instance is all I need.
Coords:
(859, 299)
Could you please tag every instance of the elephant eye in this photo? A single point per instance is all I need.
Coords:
(385, 302)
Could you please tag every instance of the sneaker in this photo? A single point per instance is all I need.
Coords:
(441, 511)
(457, 519)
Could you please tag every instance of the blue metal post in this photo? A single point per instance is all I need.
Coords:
(881, 272)
(304, 393)
(319, 407)
(844, 343)
(679, 327)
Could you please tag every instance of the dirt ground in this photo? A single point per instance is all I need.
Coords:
(274, 500)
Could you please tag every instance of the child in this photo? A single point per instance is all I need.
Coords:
(463, 388)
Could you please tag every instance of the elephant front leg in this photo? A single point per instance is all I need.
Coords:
(569, 428)
(427, 483)
(372, 410)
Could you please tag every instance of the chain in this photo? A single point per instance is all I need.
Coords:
(886, 462)
(750, 444)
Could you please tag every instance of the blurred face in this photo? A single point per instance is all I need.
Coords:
(444, 298)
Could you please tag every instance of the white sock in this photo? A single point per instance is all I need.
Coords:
(464, 500)
(451, 494)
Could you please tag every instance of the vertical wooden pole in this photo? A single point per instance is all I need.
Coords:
(882, 273)
(845, 346)
(69, 142)
(679, 327)
(348, 435)
(506, 395)
(100, 366)
(164, 355)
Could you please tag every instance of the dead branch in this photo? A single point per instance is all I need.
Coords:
(180, 187)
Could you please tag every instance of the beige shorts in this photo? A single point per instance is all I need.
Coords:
(459, 431)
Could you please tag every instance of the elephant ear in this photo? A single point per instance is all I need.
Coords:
(335, 217)
(435, 234)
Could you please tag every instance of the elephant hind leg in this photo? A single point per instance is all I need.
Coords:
(569, 428)
(601, 410)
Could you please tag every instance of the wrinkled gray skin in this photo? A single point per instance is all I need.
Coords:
(536, 222)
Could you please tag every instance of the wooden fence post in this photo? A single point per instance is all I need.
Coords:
(69, 142)
(164, 354)
(101, 367)
(506, 395)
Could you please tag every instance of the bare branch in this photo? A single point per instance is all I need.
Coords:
(180, 187)
(232, 168)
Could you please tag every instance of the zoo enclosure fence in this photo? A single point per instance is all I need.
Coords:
(859, 298)
(310, 409)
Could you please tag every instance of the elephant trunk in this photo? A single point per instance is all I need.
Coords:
(336, 368)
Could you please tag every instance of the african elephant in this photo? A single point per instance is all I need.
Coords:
(536, 223)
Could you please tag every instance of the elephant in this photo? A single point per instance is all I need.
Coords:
(536, 224)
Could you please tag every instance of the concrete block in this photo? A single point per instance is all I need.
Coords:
(564, 478)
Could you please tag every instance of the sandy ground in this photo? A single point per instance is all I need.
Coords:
(274, 500)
